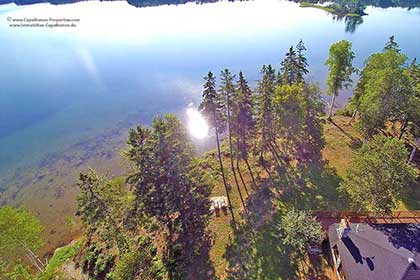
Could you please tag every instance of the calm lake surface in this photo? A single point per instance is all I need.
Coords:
(123, 64)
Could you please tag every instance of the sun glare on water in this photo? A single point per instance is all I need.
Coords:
(197, 125)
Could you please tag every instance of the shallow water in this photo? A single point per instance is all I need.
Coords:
(122, 64)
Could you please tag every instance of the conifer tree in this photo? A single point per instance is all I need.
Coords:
(245, 124)
(294, 66)
(211, 108)
(392, 45)
(290, 67)
(171, 189)
(227, 90)
(302, 62)
(265, 118)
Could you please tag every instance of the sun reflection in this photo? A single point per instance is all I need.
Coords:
(197, 125)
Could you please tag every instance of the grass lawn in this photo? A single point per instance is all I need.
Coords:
(320, 193)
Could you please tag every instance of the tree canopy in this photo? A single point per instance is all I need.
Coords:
(20, 236)
(383, 93)
(300, 230)
(378, 175)
(171, 188)
(340, 63)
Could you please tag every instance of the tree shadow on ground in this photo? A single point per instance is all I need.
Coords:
(202, 268)
(411, 197)
(304, 181)
(312, 186)
(354, 142)
(257, 250)
(260, 254)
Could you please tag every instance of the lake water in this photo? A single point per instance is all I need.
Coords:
(124, 64)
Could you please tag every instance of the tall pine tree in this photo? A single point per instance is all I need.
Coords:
(211, 107)
(302, 62)
(171, 189)
(227, 89)
(289, 67)
(265, 118)
(245, 125)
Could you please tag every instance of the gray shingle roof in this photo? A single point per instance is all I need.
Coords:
(377, 251)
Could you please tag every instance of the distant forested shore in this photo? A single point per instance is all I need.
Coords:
(358, 4)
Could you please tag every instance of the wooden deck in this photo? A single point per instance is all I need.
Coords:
(327, 218)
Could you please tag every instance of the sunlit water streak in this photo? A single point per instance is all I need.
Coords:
(59, 86)
(197, 125)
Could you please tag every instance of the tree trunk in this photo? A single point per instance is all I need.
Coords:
(403, 128)
(250, 172)
(353, 116)
(231, 158)
(413, 152)
(169, 250)
(262, 161)
(241, 177)
(277, 148)
(35, 263)
(34, 259)
(224, 178)
(274, 153)
(330, 113)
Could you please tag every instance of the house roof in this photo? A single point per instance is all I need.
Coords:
(382, 251)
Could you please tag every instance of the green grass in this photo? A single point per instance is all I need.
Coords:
(339, 151)
(310, 5)
(328, 9)
(60, 256)
(320, 193)
(352, 15)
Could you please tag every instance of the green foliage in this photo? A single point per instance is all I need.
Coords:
(346, 111)
(212, 104)
(378, 175)
(300, 229)
(103, 205)
(140, 263)
(382, 91)
(19, 271)
(170, 187)
(339, 61)
(294, 65)
(213, 107)
(97, 263)
(60, 256)
(413, 108)
(298, 108)
(392, 45)
(265, 117)
(20, 232)
(291, 108)
(341, 8)
(243, 116)
(164, 202)
(272, 251)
